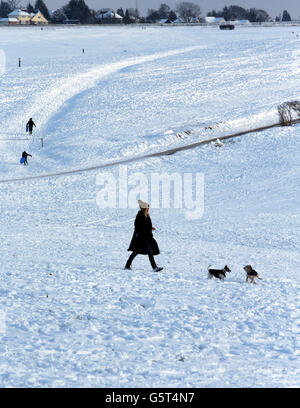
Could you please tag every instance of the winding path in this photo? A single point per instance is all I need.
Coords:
(146, 156)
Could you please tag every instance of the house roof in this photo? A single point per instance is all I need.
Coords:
(109, 14)
(18, 13)
(165, 20)
(38, 13)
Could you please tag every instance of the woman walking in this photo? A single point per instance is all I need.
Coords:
(142, 241)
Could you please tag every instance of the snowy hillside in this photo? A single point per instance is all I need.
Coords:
(70, 315)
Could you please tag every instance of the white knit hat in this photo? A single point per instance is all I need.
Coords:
(143, 204)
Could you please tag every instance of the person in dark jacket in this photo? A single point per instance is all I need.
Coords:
(30, 125)
(142, 241)
(25, 155)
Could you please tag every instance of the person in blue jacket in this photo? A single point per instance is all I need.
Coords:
(24, 156)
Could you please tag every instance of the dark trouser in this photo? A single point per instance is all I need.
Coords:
(150, 255)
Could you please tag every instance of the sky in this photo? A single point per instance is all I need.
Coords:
(273, 7)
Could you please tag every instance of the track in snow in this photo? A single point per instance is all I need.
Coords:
(146, 156)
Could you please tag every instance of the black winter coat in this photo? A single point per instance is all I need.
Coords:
(25, 154)
(143, 234)
(30, 124)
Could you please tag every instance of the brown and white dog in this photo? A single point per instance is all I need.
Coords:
(218, 273)
(251, 274)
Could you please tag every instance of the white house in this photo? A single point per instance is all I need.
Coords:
(213, 20)
(178, 21)
(241, 22)
(9, 20)
(22, 16)
(165, 21)
(109, 17)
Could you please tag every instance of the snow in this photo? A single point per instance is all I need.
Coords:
(70, 315)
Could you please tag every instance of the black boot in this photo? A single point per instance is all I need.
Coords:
(129, 261)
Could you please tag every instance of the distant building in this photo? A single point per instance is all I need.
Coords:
(165, 21)
(213, 20)
(9, 21)
(38, 18)
(23, 17)
(178, 21)
(240, 22)
(107, 16)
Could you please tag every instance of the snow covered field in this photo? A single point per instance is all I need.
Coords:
(70, 315)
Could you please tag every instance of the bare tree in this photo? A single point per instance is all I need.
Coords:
(13, 4)
(187, 10)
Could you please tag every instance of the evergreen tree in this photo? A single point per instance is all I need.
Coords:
(30, 8)
(153, 15)
(226, 14)
(286, 16)
(5, 9)
(213, 13)
(164, 11)
(58, 17)
(41, 6)
(127, 19)
(237, 12)
(78, 10)
(172, 15)
(260, 16)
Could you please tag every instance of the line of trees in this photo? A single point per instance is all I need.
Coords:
(285, 16)
(78, 10)
(185, 10)
(239, 13)
(7, 7)
(253, 15)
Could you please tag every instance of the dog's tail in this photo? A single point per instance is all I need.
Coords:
(208, 267)
(258, 277)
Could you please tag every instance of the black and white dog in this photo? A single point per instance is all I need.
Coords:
(218, 273)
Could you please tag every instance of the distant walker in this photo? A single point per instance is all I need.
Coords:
(29, 126)
(24, 158)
